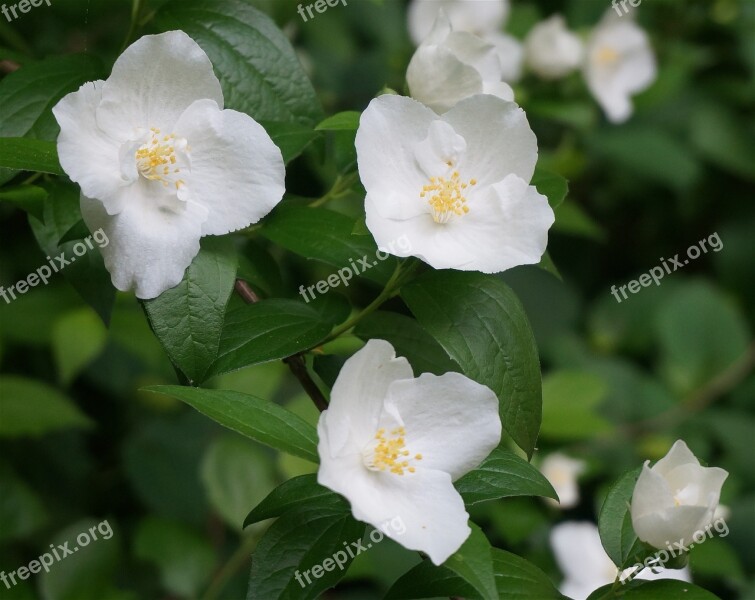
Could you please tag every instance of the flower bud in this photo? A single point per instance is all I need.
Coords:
(676, 498)
(551, 50)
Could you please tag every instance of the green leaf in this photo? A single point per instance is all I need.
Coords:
(701, 334)
(551, 185)
(185, 558)
(256, 64)
(248, 415)
(30, 155)
(31, 408)
(570, 402)
(615, 524)
(482, 326)
(663, 589)
(303, 540)
(649, 153)
(347, 120)
(514, 578)
(473, 562)
(324, 235)
(291, 138)
(86, 273)
(409, 339)
(188, 319)
(267, 330)
(89, 572)
(28, 95)
(571, 219)
(78, 337)
(501, 475)
(30, 198)
(236, 474)
(22, 512)
(298, 492)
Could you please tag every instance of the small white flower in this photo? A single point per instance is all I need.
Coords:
(452, 65)
(675, 498)
(161, 164)
(551, 50)
(475, 16)
(393, 445)
(585, 564)
(562, 472)
(619, 63)
(456, 185)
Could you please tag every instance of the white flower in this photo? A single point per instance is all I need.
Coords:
(586, 566)
(452, 65)
(161, 164)
(551, 50)
(393, 445)
(457, 186)
(475, 16)
(675, 498)
(619, 63)
(562, 472)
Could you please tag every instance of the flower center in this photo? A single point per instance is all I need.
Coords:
(447, 197)
(157, 161)
(389, 453)
(606, 55)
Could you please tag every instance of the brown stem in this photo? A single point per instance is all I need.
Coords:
(296, 362)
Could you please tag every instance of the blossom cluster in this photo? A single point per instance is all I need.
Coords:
(462, 51)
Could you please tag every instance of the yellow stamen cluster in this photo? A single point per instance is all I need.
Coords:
(157, 159)
(447, 196)
(606, 55)
(389, 454)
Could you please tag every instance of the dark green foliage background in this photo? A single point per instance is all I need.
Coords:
(621, 382)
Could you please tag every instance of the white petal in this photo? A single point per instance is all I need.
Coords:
(389, 130)
(695, 485)
(153, 82)
(465, 15)
(678, 455)
(433, 243)
(669, 525)
(450, 420)
(237, 171)
(499, 139)
(510, 55)
(506, 226)
(439, 79)
(150, 245)
(651, 493)
(87, 154)
(580, 555)
(425, 503)
(358, 395)
(562, 472)
(441, 147)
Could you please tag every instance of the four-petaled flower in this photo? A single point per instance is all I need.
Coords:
(675, 498)
(161, 164)
(619, 63)
(393, 444)
(456, 185)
